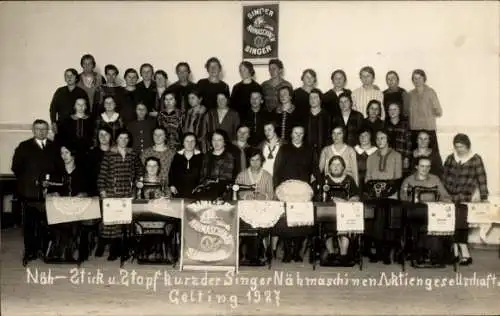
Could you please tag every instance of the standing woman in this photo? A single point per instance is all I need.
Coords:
(194, 114)
(350, 119)
(331, 97)
(170, 118)
(301, 95)
(162, 151)
(78, 129)
(423, 108)
(286, 115)
(363, 150)
(318, 126)
(425, 149)
(74, 183)
(89, 80)
(110, 88)
(399, 134)
(109, 118)
(372, 120)
(130, 96)
(64, 99)
(182, 87)
(464, 175)
(146, 88)
(185, 170)
(213, 85)
(271, 86)
(222, 117)
(120, 169)
(161, 79)
(339, 148)
(394, 93)
(142, 129)
(240, 96)
(367, 92)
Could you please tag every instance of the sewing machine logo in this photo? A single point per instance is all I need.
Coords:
(379, 188)
(260, 31)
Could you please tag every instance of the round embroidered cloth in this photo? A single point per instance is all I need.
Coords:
(294, 191)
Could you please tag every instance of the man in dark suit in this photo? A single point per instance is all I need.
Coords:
(33, 160)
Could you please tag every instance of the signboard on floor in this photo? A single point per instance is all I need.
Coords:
(209, 235)
(260, 32)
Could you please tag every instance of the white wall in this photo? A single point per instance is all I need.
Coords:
(457, 43)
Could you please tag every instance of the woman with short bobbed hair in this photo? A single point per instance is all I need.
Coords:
(350, 119)
(286, 114)
(423, 108)
(301, 95)
(372, 120)
(213, 85)
(240, 95)
(464, 176)
(331, 97)
(394, 93)
(367, 92)
(89, 80)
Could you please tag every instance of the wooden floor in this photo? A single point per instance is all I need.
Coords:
(65, 297)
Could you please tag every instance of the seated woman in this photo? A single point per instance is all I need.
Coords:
(464, 176)
(426, 149)
(342, 187)
(422, 178)
(185, 170)
(363, 150)
(217, 168)
(74, 183)
(385, 165)
(151, 187)
(263, 182)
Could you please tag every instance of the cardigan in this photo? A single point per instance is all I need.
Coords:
(462, 177)
(423, 109)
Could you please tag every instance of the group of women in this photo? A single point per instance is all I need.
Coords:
(185, 136)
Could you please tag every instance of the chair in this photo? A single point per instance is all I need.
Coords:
(386, 228)
(255, 236)
(417, 216)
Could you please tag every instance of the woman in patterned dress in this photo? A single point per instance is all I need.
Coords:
(121, 168)
(170, 118)
(194, 116)
(162, 151)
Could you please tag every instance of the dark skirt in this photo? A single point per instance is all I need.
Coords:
(281, 229)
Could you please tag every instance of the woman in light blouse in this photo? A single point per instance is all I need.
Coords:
(339, 148)
(368, 91)
(256, 175)
(423, 108)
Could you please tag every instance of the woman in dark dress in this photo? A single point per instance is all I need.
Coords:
(74, 183)
(130, 96)
(110, 88)
(142, 129)
(394, 93)
(185, 170)
(182, 87)
(301, 95)
(331, 97)
(223, 118)
(161, 79)
(350, 119)
(240, 95)
(425, 149)
(109, 118)
(77, 130)
(363, 150)
(342, 188)
(286, 115)
(213, 85)
(217, 170)
(373, 121)
(120, 168)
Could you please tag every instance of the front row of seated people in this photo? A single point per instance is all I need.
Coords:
(118, 171)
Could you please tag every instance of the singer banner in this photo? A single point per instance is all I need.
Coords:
(260, 32)
(209, 236)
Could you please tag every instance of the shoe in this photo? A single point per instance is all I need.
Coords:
(112, 258)
(99, 252)
(298, 258)
(465, 261)
(347, 261)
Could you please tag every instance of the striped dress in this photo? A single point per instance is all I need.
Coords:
(263, 182)
(117, 177)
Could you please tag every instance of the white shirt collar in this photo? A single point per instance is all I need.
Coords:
(196, 152)
(463, 159)
(368, 151)
(340, 152)
(107, 119)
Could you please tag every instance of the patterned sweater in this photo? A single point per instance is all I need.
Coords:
(462, 176)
